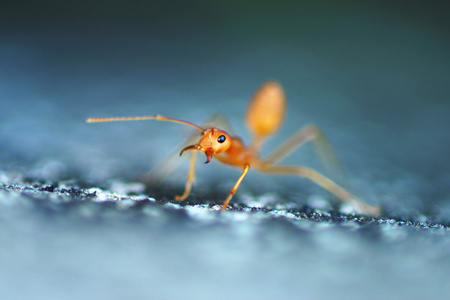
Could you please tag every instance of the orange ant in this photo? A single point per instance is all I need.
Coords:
(264, 116)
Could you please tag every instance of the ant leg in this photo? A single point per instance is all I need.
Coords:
(235, 187)
(190, 178)
(324, 182)
(322, 146)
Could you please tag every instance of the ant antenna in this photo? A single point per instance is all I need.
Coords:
(155, 117)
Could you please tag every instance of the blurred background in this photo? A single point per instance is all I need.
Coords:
(373, 75)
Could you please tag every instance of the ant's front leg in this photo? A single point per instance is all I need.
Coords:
(190, 178)
(235, 187)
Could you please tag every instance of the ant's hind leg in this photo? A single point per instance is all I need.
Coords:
(324, 182)
(190, 178)
(322, 147)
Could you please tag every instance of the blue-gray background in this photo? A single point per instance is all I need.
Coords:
(374, 76)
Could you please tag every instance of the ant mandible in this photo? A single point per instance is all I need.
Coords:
(264, 116)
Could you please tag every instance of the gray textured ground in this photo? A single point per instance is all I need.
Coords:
(76, 223)
(71, 243)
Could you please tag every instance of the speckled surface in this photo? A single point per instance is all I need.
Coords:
(75, 222)
(72, 243)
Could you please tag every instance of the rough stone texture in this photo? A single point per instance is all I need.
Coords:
(66, 242)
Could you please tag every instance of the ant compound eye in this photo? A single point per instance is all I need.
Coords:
(221, 139)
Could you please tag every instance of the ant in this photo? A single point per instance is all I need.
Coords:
(265, 114)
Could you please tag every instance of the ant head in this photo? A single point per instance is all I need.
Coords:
(213, 141)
